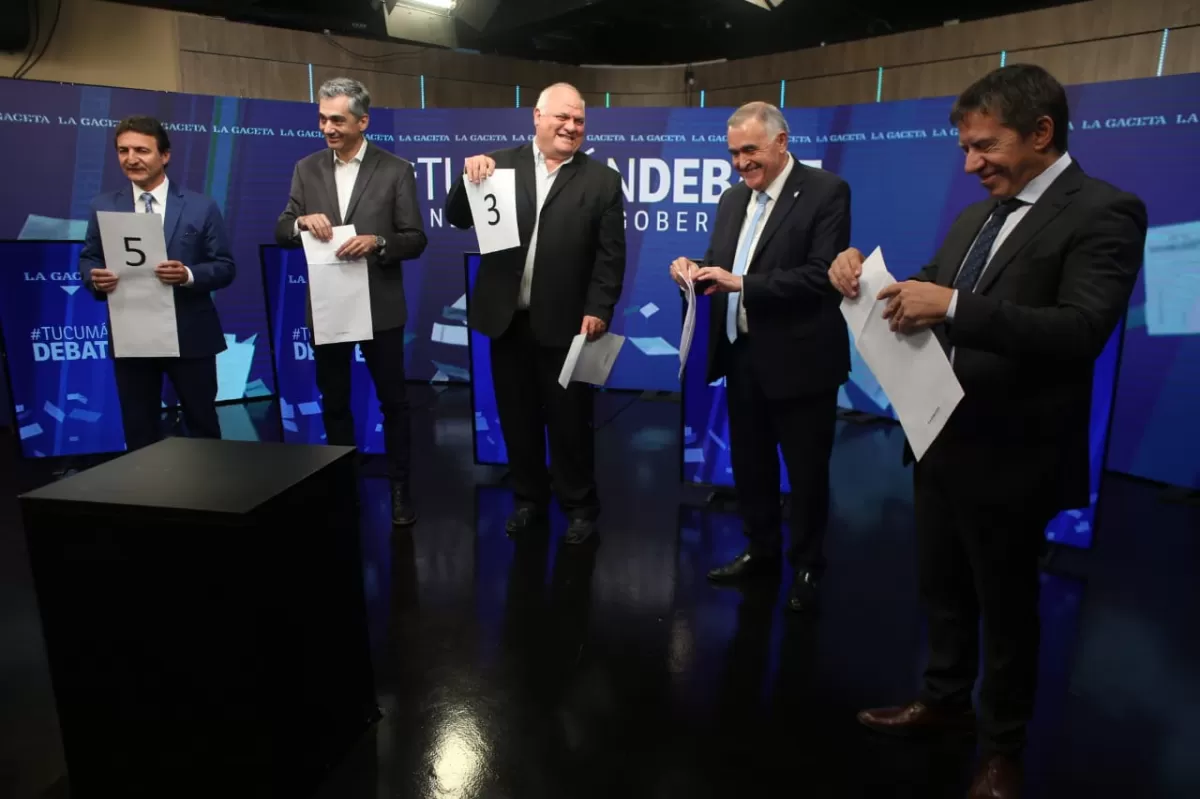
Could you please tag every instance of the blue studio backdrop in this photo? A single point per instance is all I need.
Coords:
(900, 158)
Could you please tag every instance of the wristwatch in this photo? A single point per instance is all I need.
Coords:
(380, 244)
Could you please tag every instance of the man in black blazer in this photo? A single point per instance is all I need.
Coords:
(1024, 293)
(778, 338)
(362, 185)
(564, 280)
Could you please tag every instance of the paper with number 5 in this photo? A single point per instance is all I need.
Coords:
(494, 210)
(141, 309)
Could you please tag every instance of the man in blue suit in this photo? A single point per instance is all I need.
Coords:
(199, 262)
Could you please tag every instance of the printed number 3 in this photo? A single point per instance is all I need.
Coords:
(130, 249)
(492, 209)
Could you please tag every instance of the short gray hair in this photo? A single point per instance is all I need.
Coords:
(770, 116)
(360, 98)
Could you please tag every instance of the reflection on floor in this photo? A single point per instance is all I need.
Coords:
(528, 669)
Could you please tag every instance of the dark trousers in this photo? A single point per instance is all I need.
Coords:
(803, 428)
(980, 563)
(534, 407)
(384, 355)
(139, 387)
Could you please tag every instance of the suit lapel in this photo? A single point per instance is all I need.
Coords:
(964, 237)
(1056, 198)
(526, 193)
(325, 167)
(783, 206)
(174, 211)
(566, 173)
(366, 169)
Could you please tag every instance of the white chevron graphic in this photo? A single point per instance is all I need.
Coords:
(70, 289)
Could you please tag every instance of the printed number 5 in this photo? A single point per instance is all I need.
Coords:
(492, 209)
(129, 249)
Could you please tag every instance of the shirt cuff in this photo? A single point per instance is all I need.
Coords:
(191, 278)
(296, 228)
(953, 305)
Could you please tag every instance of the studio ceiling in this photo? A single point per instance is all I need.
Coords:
(683, 31)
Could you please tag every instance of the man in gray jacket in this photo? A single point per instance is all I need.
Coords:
(362, 185)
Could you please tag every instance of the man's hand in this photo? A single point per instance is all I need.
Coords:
(104, 280)
(683, 271)
(357, 247)
(723, 279)
(173, 273)
(915, 305)
(479, 167)
(593, 327)
(845, 271)
(318, 225)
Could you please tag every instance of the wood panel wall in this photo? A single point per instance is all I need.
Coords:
(120, 45)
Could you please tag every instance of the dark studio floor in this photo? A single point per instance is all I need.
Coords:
(528, 669)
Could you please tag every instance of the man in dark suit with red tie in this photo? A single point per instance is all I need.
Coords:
(778, 339)
(1024, 293)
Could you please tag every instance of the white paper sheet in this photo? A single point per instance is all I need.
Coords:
(1172, 270)
(340, 290)
(494, 211)
(591, 361)
(913, 369)
(689, 326)
(874, 279)
(142, 308)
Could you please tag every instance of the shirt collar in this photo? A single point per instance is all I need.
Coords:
(539, 158)
(1035, 188)
(159, 193)
(355, 159)
(776, 188)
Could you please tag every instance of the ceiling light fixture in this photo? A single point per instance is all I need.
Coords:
(769, 5)
(445, 5)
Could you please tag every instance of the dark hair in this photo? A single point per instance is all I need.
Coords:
(147, 126)
(1018, 95)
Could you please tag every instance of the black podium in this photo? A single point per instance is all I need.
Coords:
(203, 610)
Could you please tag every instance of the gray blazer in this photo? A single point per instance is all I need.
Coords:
(383, 203)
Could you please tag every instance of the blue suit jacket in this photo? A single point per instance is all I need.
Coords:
(196, 237)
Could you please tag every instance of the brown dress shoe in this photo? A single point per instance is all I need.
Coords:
(917, 718)
(998, 777)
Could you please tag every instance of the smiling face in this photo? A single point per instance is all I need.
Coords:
(343, 130)
(1003, 159)
(141, 160)
(559, 123)
(758, 156)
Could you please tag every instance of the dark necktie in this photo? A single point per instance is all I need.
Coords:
(977, 259)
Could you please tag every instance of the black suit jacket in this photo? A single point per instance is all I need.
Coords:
(1026, 340)
(383, 203)
(798, 340)
(579, 266)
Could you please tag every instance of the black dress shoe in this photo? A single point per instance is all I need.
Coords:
(804, 595)
(744, 566)
(579, 530)
(403, 512)
(997, 777)
(524, 517)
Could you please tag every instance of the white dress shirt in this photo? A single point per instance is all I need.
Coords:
(772, 191)
(345, 173)
(1029, 195)
(544, 179)
(158, 205)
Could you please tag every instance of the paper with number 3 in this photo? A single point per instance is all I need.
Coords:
(494, 210)
(142, 308)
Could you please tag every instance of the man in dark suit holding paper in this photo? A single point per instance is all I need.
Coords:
(199, 262)
(1024, 294)
(778, 339)
(562, 281)
(362, 185)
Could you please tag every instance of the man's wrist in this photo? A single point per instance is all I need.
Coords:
(380, 244)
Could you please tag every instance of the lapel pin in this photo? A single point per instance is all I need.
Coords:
(797, 194)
